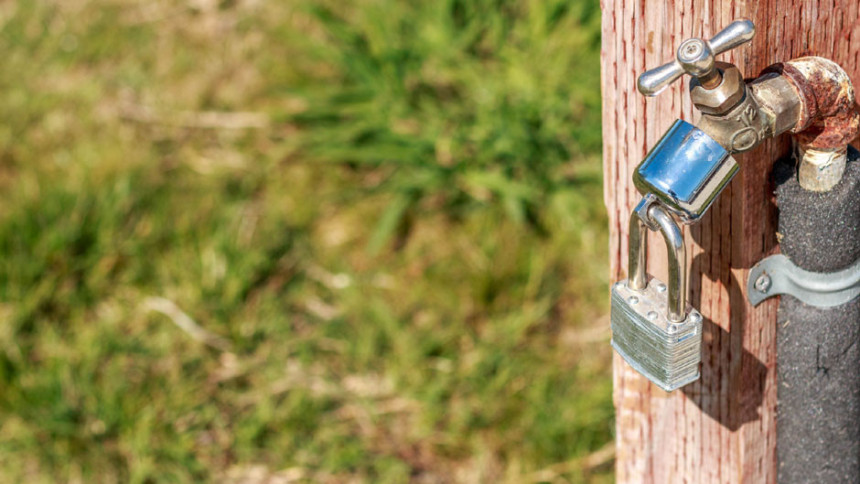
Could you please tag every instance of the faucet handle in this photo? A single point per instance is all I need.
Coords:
(696, 57)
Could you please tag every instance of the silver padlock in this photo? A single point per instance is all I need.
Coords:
(653, 327)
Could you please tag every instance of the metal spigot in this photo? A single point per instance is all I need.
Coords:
(696, 58)
(689, 167)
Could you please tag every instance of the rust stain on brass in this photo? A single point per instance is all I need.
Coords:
(829, 118)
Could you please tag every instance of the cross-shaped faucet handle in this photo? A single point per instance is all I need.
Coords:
(696, 58)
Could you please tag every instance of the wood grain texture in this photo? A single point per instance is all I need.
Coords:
(721, 429)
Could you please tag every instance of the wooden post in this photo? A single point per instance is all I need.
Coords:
(721, 429)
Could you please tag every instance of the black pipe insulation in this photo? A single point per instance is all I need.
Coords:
(818, 349)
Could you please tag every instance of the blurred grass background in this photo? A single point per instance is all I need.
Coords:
(319, 241)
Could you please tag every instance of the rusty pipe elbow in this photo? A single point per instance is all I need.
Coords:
(828, 118)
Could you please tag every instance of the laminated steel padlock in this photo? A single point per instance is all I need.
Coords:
(653, 327)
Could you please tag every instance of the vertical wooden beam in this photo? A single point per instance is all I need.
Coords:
(721, 429)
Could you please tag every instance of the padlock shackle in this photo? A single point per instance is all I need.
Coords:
(637, 278)
(677, 255)
(637, 253)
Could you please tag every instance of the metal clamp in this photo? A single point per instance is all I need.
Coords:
(778, 275)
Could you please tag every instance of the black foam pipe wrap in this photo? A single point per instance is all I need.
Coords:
(818, 349)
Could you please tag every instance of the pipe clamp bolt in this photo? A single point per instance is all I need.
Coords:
(762, 284)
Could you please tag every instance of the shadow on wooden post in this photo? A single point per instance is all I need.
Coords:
(705, 392)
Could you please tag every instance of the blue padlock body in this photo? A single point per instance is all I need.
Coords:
(686, 170)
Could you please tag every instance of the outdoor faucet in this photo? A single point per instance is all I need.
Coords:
(811, 97)
(653, 326)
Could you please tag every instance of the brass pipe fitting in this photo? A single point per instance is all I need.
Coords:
(811, 97)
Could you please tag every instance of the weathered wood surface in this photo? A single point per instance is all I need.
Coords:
(720, 429)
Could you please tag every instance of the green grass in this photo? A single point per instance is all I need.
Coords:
(327, 241)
